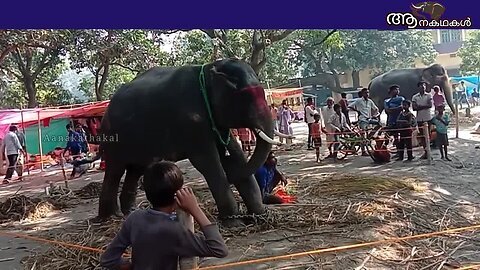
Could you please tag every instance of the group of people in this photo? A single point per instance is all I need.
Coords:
(14, 148)
(430, 111)
(334, 120)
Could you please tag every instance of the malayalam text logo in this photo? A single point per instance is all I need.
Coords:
(425, 14)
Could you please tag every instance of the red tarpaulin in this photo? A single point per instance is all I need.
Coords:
(31, 116)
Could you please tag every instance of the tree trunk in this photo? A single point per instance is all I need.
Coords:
(31, 89)
(100, 81)
(356, 78)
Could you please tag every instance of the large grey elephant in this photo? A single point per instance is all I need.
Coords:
(407, 79)
(177, 113)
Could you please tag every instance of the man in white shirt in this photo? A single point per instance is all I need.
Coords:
(367, 109)
(422, 103)
(463, 94)
(12, 148)
(309, 113)
(327, 112)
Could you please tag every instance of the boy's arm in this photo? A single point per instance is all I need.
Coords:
(112, 257)
(210, 244)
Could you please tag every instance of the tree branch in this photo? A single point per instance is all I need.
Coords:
(274, 38)
(125, 67)
(18, 76)
(43, 64)
(17, 56)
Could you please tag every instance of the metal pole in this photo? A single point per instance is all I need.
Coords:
(40, 141)
(428, 150)
(25, 158)
(456, 114)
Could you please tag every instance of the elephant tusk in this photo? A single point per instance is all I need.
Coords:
(419, 7)
(265, 137)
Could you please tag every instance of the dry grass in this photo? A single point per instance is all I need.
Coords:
(331, 210)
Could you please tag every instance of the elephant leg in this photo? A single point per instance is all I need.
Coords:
(210, 167)
(108, 203)
(247, 187)
(129, 189)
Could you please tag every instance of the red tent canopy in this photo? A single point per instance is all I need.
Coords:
(31, 116)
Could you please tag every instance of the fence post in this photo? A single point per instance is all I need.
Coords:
(187, 221)
(428, 150)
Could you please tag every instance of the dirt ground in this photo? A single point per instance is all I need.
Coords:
(338, 204)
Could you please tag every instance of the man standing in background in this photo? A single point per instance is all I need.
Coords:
(22, 156)
(12, 148)
(309, 118)
(422, 103)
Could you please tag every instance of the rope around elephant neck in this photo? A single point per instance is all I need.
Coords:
(203, 88)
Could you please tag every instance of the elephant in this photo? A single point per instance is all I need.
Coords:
(407, 79)
(434, 9)
(178, 113)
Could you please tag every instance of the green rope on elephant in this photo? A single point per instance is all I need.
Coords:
(203, 88)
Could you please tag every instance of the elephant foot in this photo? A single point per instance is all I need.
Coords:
(127, 203)
(232, 223)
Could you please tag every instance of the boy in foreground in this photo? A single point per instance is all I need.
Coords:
(316, 130)
(157, 239)
(441, 121)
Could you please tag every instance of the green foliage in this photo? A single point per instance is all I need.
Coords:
(100, 50)
(191, 48)
(30, 56)
(470, 54)
(361, 49)
(117, 77)
(196, 47)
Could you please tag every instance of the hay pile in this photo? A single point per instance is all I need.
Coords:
(331, 211)
(90, 191)
(21, 207)
(60, 258)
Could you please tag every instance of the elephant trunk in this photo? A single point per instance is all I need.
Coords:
(448, 92)
(264, 135)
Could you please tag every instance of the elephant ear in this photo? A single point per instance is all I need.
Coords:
(428, 75)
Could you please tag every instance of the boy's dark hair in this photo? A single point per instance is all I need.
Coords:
(68, 126)
(336, 106)
(13, 128)
(317, 115)
(393, 87)
(309, 99)
(344, 95)
(408, 102)
(161, 181)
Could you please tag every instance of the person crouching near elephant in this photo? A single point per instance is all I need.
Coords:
(405, 123)
(146, 228)
(422, 103)
(268, 177)
(393, 107)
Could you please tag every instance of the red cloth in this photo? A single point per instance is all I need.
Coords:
(284, 196)
(46, 122)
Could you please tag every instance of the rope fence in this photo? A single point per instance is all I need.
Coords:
(266, 259)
